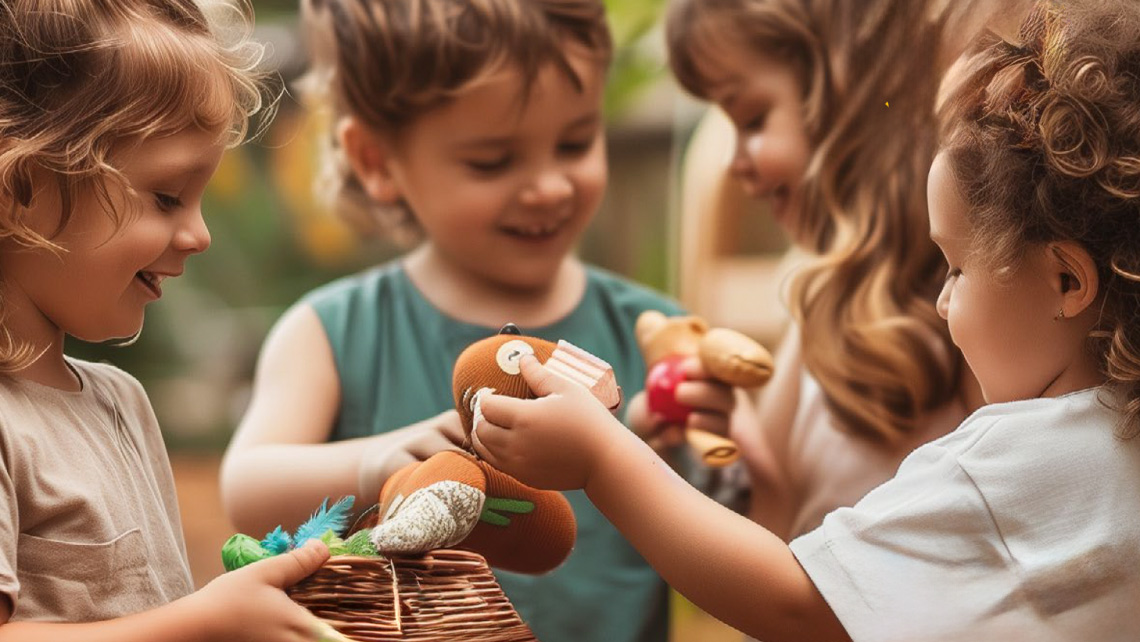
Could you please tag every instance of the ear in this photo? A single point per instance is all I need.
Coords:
(369, 155)
(1073, 276)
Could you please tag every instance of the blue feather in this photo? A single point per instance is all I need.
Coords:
(324, 520)
(277, 542)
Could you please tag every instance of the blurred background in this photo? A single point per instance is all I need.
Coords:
(272, 242)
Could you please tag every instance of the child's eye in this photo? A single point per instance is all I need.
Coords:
(754, 123)
(953, 274)
(576, 148)
(490, 166)
(166, 202)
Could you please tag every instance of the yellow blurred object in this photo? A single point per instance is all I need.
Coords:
(294, 164)
(233, 175)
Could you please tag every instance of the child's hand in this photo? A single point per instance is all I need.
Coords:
(711, 403)
(417, 442)
(553, 442)
(250, 605)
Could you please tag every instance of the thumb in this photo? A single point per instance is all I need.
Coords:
(283, 571)
(542, 380)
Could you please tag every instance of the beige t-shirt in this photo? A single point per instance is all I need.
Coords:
(89, 524)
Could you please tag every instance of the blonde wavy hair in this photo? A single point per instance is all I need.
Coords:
(79, 79)
(387, 61)
(1044, 138)
(866, 304)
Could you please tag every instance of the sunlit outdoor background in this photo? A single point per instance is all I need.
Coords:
(273, 241)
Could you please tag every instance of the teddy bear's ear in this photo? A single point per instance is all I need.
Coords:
(648, 323)
(698, 325)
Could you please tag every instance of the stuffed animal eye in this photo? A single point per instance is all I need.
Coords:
(509, 354)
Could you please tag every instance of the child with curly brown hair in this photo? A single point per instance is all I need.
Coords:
(1016, 525)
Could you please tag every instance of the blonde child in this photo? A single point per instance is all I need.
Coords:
(833, 104)
(1018, 524)
(478, 128)
(113, 116)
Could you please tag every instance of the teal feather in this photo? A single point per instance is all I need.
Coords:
(333, 519)
(277, 542)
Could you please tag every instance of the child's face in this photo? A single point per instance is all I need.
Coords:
(1004, 324)
(763, 98)
(97, 289)
(504, 188)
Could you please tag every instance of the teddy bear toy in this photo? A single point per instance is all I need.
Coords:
(728, 356)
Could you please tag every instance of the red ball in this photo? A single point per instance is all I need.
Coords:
(661, 389)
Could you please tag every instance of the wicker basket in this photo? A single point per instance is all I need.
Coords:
(444, 596)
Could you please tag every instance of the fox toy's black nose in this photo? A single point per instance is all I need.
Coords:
(510, 328)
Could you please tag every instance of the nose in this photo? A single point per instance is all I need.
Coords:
(741, 165)
(192, 235)
(550, 187)
(943, 303)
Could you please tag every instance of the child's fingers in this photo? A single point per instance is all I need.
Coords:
(283, 571)
(716, 423)
(324, 632)
(486, 435)
(707, 396)
(542, 380)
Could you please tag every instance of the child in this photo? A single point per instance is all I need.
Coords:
(477, 126)
(113, 116)
(1017, 525)
(867, 372)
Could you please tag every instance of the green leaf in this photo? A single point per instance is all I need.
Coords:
(242, 550)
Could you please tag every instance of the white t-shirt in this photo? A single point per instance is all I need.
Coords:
(1022, 524)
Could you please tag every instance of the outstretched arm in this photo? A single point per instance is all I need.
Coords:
(729, 566)
(247, 605)
(279, 464)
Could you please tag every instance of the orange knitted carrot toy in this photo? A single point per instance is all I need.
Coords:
(453, 499)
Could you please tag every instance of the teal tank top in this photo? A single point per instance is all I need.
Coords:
(394, 354)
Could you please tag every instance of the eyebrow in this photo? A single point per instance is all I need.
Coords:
(592, 118)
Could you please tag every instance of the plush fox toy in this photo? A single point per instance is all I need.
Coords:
(454, 499)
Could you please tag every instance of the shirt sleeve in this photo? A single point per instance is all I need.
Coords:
(919, 558)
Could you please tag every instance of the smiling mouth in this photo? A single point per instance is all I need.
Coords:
(151, 281)
(536, 231)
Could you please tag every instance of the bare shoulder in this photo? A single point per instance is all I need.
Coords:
(296, 389)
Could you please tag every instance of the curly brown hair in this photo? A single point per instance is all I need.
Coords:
(866, 305)
(80, 78)
(387, 61)
(1043, 136)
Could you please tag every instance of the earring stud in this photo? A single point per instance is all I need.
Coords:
(1060, 315)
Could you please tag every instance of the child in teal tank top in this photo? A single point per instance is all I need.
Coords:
(477, 129)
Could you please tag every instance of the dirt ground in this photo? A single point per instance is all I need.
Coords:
(207, 528)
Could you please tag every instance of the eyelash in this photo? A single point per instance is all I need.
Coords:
(576, 148)
(166, 202)
(952, 274)
(490, 167)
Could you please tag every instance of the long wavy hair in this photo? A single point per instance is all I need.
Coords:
(387, 61)
(79, 79)
(866, 304)
(1044, 138)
